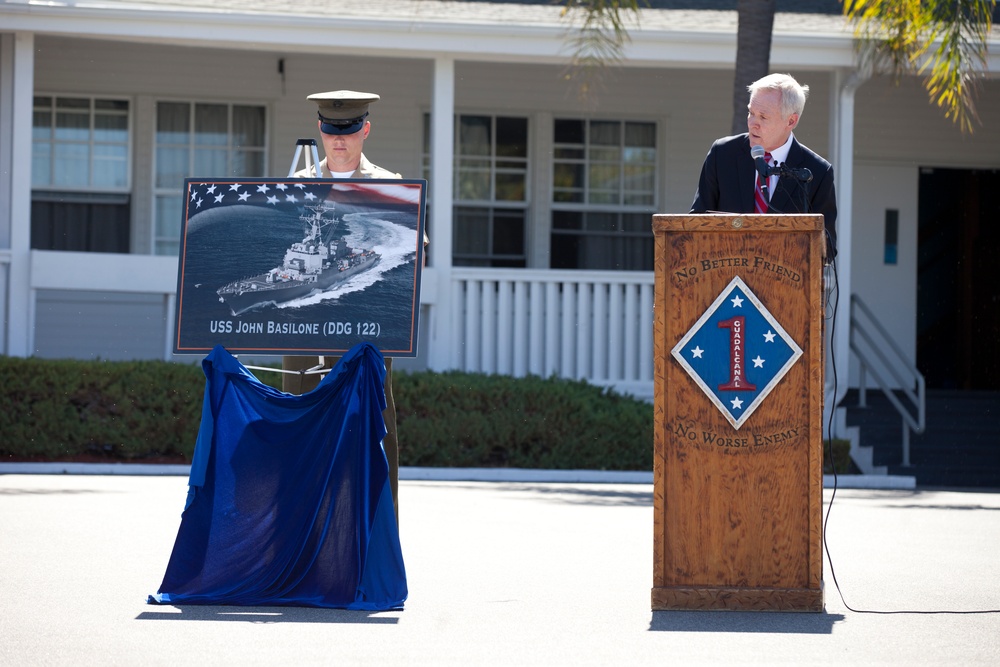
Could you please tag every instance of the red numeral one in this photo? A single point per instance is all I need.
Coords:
(737, 380)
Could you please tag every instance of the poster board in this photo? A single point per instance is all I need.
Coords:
(295, 266)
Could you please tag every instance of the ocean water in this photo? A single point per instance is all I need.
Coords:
(379, 306)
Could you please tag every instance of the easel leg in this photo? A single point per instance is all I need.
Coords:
(391, 444)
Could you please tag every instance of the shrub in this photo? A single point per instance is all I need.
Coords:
(66, 409)
(472, 420)
(841, 455)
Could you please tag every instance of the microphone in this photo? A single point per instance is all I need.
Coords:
(757, 153)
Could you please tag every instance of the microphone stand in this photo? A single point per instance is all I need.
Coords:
(800, 175)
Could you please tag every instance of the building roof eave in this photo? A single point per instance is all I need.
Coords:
(431, 29)
(653, 44)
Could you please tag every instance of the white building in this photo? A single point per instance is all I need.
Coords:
(539, 201)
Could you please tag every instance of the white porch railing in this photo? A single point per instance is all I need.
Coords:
(596, 326)
(871, 342)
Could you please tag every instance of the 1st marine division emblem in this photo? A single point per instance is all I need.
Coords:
(736, 352)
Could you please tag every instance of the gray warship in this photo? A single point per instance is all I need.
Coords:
(321, 260)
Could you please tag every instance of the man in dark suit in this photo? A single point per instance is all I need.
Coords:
(729, 175)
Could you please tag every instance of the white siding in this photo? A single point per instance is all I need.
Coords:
(114, 326)
(890, 290)
(900, 125)
(126, 68)
(397, 122)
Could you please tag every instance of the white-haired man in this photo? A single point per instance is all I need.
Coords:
(728, 180)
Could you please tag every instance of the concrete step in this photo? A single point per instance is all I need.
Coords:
(959, 447)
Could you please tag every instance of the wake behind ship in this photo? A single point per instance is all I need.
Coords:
(318, 262)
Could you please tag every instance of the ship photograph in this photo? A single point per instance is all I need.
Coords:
(316, 263)
(299, 266)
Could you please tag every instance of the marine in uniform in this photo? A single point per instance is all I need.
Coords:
(343, 124)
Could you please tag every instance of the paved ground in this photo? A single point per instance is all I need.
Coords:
(500, 573)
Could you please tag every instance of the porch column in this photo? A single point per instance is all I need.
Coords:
(437, 277)
(17, 69)
(844, 84)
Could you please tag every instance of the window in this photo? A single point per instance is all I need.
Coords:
(603, 195)
(491, 198)
(201, 139)
(80, 174)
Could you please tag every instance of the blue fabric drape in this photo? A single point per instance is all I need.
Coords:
(289, 500)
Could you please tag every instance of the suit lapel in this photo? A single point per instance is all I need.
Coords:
(745, 166)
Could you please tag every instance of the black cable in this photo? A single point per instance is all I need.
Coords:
(826, 518)
(833, 410)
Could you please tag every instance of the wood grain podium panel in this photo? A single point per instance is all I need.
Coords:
(737, 511)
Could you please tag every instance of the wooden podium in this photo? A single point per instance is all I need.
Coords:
(738, 396)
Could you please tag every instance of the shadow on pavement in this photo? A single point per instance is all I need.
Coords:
(744, 621)
(574, 493)
(265, 615)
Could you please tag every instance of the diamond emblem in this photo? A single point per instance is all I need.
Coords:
(736, 352)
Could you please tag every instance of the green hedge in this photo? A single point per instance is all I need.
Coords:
(151, 410)
(61, 410)
(467, 420)
(68, 409)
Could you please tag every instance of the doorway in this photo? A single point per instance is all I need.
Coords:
(958, 286)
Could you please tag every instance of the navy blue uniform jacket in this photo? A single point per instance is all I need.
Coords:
(726, 184)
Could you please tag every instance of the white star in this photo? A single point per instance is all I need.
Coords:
(262, 188)
(737, 404)
(235, 187)
(218, 198)
(244, 196)
(194, 193)
(281, 186)
(272, 200)
(737, 302)
(696, 352)
(758, 362)
(310, 196)
(300, 186)
(197, 203)
(211, 189)
(769, 336)
(290, 199)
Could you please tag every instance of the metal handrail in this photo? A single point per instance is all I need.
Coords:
(881, 343)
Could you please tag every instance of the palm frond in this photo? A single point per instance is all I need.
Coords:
(945, 41)
(597, 39)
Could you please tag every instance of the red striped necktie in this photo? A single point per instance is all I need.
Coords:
(760, 204)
